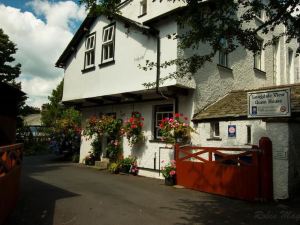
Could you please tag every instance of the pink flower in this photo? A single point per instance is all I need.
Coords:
(163, 161)
(172, 172)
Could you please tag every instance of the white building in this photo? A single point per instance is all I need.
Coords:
(102, 75)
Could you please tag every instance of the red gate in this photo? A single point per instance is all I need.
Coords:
(234, 172)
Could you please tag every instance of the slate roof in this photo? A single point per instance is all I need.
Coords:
(234, 104)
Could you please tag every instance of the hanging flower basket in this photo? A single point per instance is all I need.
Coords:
(176, 129)
(132, 129)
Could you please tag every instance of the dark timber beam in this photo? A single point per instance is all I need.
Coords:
(112, 98)
(132, 96)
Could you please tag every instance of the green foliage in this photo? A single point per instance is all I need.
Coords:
(173, 129)
(169, 169)
(97, 127)
(64, 123)
(132, 128)
(36, 148)
(114, 167)
(27, 110)
(8, 71)
(53, 111)
(126, 163)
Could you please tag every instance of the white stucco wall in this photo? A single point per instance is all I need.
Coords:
(147, 152)
(279, 135)
(132, 48)
(203, 135)
(154, 8)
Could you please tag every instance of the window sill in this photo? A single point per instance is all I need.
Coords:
(101, 65)
(214, 139)
(144, 14)
(224, 67)
(157, 141)
(256, 70)
(88, 69)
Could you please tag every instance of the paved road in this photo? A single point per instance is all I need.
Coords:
(59, 193)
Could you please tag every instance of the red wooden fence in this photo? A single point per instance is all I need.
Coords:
(234, 172)
(10, 171)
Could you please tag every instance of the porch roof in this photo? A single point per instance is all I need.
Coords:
(234, 104)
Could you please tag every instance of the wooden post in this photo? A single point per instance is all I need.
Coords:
(266, 169)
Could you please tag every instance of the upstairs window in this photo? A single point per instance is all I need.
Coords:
(223, 58)
(108, 43)
(89, 57)
(258, 56)
(223, 55)
(143, 7)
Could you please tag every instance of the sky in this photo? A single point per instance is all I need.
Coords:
(41, 29)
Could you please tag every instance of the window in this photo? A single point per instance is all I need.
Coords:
(290, 65)
(143, 7)
(249, 140)
(258, 56)
(89, 58)
(215, 129)
(108, 45)
(223, 58)
(161, 111)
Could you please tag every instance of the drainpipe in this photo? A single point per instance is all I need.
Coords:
(158, 91)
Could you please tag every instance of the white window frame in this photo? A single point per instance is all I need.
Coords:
(158, 119)
(143, 7)
(89, 54)
(258, 57)
(215, 129)
(108, 41)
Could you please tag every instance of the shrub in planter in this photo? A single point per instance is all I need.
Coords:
(169, 172)
(114, 168)
(126, 164)
(90, 159)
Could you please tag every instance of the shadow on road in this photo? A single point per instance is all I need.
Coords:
(37, 199)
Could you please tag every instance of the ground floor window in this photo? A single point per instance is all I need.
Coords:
(160, 112)
(215, 129)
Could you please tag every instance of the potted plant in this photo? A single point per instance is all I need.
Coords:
(132, 128)
(134, 168)
(175, 130)
(126, 164)
(114, 167)
(90, 159)
(169, 172)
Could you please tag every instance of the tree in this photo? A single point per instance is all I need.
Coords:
(223, 24)
(53, 111)
(64, 123)
(8, 72)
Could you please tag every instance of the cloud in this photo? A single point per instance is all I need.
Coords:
(41, 36)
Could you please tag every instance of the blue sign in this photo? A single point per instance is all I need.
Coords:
(231, 130)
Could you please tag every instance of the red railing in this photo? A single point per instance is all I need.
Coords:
(10, 172)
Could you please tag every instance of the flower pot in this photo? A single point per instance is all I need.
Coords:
(170, 181)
